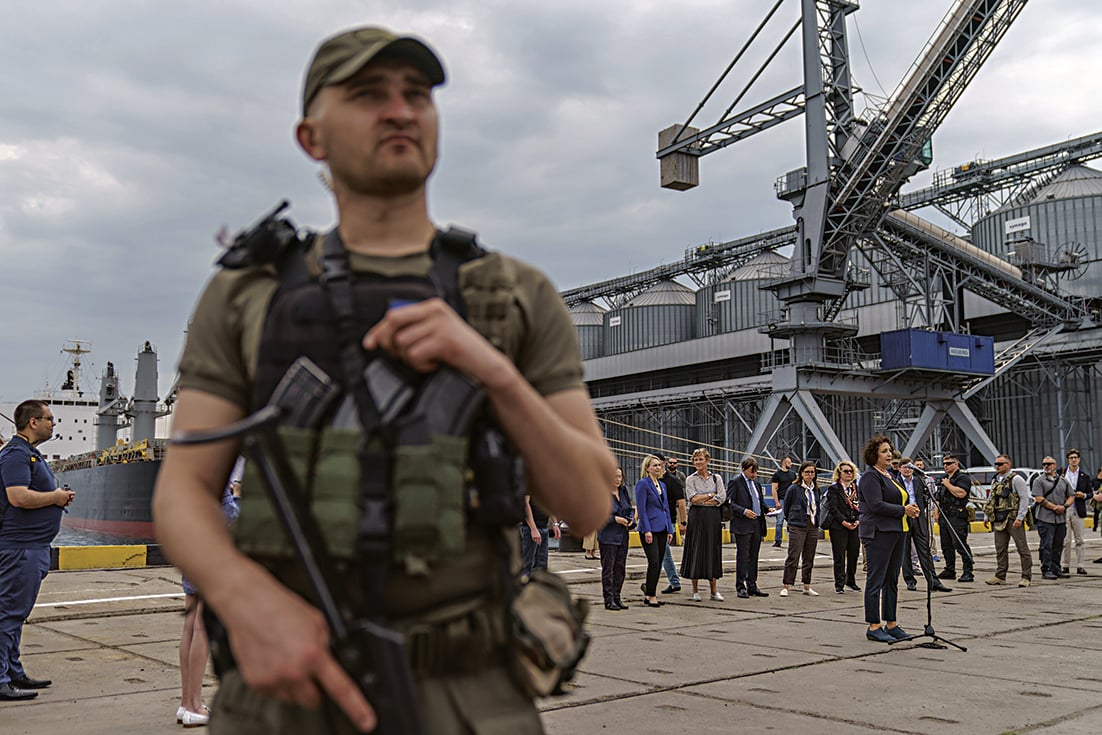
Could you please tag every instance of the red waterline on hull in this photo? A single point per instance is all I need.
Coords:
(127, 529)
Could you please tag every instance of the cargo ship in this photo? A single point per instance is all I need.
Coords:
(113, 473)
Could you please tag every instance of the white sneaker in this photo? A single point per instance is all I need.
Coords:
(784, 592)
(717, 597)
(811, 592)
(695, 597)
(195, 719)
(180, 714)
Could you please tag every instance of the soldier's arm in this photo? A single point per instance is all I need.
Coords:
(551, 432)
(280, 642)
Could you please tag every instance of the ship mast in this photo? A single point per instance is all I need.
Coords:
(76, 348)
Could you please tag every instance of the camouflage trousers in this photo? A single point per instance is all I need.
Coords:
(485, 702)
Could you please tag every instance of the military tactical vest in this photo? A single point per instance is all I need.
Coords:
(432, 538)
(1002, 505)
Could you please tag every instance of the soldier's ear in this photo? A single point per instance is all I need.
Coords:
(309, 139)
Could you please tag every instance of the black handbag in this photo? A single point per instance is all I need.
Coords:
(726, 512)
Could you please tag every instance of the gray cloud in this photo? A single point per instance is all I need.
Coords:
(132, 131)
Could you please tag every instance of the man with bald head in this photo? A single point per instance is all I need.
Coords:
(1052, 496)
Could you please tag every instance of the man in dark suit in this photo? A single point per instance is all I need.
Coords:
(748, 527)
(918, 536)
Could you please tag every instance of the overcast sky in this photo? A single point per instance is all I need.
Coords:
(131, 131)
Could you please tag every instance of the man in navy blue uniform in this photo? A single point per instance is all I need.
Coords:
(30, 517)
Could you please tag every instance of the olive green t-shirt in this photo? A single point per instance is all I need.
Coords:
(223, 340)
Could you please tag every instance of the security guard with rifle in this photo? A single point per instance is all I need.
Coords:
(388, 381)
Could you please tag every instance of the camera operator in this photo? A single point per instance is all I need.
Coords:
(952, 514)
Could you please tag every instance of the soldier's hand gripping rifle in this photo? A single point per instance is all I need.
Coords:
(374, 655)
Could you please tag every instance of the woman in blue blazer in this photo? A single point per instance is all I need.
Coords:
(886, 511)
(655, 528)
(613, 539)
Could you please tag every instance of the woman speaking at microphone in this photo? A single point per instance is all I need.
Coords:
(886, 511)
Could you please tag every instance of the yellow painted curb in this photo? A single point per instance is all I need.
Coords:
(101, 557)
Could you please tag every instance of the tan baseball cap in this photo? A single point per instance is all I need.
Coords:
(342, 55)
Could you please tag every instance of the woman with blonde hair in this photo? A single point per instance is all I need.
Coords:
(703, 557)
(840, 517)
(655, 528)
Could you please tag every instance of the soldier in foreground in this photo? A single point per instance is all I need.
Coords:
(369, 116)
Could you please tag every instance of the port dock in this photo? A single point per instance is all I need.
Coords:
(109, 640)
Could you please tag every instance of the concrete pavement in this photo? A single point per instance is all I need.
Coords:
(109, 640)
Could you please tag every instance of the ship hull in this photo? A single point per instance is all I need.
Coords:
(112, 498)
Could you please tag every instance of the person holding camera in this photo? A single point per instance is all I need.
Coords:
(613, 540)
(703, 557)
(1006, 508)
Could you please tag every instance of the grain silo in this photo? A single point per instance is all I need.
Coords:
(589, 321)
(1055, 229)
(738, 301)
(662, 314)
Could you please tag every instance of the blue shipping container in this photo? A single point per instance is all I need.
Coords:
(919, 349)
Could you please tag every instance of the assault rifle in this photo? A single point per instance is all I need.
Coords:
(373, 654)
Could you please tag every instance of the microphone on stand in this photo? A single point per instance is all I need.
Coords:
(917, 471)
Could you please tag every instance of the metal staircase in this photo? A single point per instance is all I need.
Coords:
(1011, 355)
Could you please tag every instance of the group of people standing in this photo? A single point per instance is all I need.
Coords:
(884, 513)
(662, 500)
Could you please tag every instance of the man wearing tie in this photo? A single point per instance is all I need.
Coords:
(918, 535)
(748, 527)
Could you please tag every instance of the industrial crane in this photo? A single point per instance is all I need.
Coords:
(842, 200)
(963, 193)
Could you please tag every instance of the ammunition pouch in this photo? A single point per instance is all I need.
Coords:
(432, 500)
(327, 469)
(1001, 505)
(429, 519)
(549, 637)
